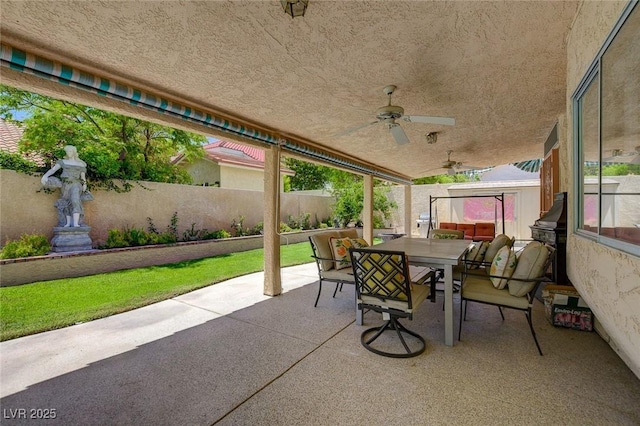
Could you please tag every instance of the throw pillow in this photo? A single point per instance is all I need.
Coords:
(483, 251)
(439, 236)
(477, 254)
(503, 265)
(359, 242)
(531, 263)
(497, 243)
(340, 250)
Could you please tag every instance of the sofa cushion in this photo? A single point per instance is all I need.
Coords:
(340, 252)
(484, 229)
(531, 261)
(448, 225)
(469, 230)
(502, 265)
(323, 249)
(497, 243)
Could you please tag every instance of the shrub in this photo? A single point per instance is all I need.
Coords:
(28, 245)
(15, 161)
(222, 234)
(116, 239)
(284, 227)
(194, 234)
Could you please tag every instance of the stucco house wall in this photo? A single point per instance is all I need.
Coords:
(204, 171)
(242, 178)
(608, 279)
(25, 210)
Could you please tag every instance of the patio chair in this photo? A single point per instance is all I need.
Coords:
(383, 284)
(446, 234)
(497, 287)
(326, 262)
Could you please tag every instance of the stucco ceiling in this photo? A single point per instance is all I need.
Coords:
(497, 67)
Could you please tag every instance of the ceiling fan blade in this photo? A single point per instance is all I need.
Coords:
(447, 121)
(354, 129)
(398, 134)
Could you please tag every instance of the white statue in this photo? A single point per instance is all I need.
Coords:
(73, 186)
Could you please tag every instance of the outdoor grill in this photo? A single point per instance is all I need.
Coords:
(423, 224)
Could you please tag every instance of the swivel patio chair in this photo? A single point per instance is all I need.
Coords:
(383, 284)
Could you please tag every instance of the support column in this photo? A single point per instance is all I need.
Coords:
(272, 280)
(408, 214)
(367, 210)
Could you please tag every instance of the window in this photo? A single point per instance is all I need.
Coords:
(607, 140)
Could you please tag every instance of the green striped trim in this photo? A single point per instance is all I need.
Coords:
(28, 63)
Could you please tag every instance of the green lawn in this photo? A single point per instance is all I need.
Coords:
(48, 305)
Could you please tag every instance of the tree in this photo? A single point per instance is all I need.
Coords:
(348, 190)
(457, 178)
(308, 176)
(113, 146)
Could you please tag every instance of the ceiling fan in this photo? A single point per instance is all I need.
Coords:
(621, 156)
(451, 166)
(390, 113)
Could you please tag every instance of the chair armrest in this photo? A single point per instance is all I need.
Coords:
(482, 273)
(324, 258)
(422, 276)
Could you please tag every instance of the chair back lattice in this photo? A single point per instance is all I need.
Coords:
(381, 274)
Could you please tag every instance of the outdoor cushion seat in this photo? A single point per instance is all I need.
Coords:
(338, 275)
(480, 289)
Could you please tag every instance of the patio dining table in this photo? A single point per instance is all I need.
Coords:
(434, 253)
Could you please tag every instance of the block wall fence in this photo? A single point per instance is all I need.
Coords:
(25, 210)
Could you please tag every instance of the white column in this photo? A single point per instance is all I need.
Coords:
(367, 210)
(272, 280)
(408, 214)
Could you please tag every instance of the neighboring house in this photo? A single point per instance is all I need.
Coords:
(229, 165)
(10, 135)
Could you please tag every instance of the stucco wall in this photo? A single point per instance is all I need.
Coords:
(609, 280)
(419, 204)
(25, 210)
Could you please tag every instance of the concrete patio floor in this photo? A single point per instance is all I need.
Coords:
(227, 355)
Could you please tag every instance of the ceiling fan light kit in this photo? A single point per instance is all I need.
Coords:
(294, 8)
(431, 137)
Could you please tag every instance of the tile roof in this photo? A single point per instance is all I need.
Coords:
(253, 152)
(10, 134)
(232, 153)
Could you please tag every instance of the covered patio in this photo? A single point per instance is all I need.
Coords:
(310, 87)
(227, 355)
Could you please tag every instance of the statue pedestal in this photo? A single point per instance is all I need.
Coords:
(71, 239)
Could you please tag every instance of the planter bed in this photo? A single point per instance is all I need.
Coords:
(67, 265)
